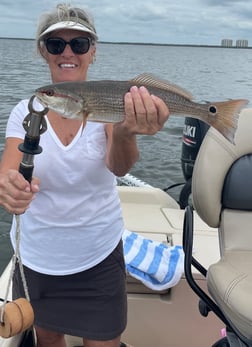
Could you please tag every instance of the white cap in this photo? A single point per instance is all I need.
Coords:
(83, 26)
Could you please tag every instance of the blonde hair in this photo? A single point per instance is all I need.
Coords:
(63, 12)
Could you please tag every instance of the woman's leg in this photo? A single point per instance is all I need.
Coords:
(111, 343)
(48, 338)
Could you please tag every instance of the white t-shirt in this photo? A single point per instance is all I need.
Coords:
(75, 220)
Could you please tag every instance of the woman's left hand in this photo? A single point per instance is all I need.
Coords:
(144, 113)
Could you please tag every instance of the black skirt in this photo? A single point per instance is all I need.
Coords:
(91, 304)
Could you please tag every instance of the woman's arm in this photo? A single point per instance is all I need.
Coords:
(16, 193)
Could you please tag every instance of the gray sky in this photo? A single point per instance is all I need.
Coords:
(149, 21)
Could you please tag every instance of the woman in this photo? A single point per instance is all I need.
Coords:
(70, 217)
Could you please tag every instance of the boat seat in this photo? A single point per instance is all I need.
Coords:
(222, 196)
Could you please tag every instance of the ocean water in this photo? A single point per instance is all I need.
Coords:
(210, 74)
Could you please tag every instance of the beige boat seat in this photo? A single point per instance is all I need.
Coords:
(222, 196)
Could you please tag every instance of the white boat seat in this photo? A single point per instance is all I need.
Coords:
(222, 196)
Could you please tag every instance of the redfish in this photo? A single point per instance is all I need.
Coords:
(103, 101)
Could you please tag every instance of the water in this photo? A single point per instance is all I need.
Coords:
(208, 73)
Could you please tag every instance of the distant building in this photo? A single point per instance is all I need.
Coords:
(226, 43)
(242, 43)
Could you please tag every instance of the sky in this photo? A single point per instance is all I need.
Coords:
(199, 22)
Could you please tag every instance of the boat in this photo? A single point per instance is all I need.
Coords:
(168, 317)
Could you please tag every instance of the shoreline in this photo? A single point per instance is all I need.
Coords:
(145, 44)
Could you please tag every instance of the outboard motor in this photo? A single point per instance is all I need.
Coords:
(193, 135)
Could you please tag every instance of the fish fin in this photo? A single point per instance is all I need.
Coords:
(148, 79)
(227, 117)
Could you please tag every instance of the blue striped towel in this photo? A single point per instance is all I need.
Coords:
(156, 265)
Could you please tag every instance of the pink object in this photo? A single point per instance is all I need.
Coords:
(223, 332)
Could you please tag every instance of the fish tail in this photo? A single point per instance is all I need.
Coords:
(227, 120)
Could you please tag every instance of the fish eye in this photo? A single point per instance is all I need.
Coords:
(212, 109)
(49, 92)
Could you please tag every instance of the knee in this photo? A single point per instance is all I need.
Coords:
(48, 338)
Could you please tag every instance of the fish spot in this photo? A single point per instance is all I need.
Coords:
(212, 110)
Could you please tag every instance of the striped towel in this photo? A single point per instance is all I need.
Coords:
(155, 264)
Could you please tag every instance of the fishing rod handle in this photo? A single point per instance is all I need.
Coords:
(26, 171)
(29, 147)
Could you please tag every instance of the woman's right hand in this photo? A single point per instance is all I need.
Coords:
(16, 193)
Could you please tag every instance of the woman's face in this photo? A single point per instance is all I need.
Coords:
(69, 66)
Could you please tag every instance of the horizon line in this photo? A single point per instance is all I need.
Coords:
(145, 43)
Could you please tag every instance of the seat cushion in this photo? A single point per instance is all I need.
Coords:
(215, 157)
(236, 192)
(230, 284)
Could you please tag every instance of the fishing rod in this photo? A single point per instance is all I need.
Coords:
(34, 125)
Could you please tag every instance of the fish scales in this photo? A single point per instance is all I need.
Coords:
(108, 96)
(102, 101)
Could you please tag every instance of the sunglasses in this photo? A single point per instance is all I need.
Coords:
(79, 45)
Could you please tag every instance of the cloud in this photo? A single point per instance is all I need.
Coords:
(225, 2)
(162, 21)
